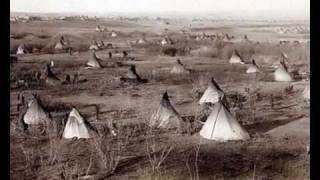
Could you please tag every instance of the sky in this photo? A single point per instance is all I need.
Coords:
(287, 7)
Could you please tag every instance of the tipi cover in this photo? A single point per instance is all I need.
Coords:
(281, 74)
(94, 61)
(35, 114)
(222, 126)
(75, 126)
(165, 116)
(179, 68)
(253, 68)
(213, 93)
(236, 58)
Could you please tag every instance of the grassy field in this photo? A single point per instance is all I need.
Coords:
(137, 152)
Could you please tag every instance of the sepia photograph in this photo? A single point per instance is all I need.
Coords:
(160, 90)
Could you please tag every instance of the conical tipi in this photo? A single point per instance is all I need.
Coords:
(281, 74)
(306, 93)
(61, 44)
(94, 61)
(21, 49)
(35, 114)
(213, 93)
(165, 116)
(179, 68)
(253, 68)
(75, 126)
(236, 58)
(222, 126)
(132, 73)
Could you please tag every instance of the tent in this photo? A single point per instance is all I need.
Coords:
(179, 68)
(164, 41)
(94, 61)
(61, 44)
(213, 93)
(165, 116)
(21, 49)
(132, 73)
(35, 113)
(253, 68)
(75, 126)
(236, 58)
(281, 74)
(306, 92)
(222, 126)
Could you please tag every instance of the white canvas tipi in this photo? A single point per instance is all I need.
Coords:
(75, 126)
(94, 61)
(132, 74)
(253, 68)
(21, 49)
(179, 68)
(35, 114)
(306, 93)
(236, 58)
(165, 116)
(213, 94)
(281, 74)
(222, 126)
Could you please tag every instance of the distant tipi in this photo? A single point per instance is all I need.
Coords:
(75, 126)
(222, 126)
(165, 116)
(281, 74)
(132, 74)
(94, 61)
(179, 68)
(306, 93)
(21, 49)
(236, 58)
(253, 68)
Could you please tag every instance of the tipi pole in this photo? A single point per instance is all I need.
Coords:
(215, 122)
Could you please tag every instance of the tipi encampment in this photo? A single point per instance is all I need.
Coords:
(222, 126)
(75, 126)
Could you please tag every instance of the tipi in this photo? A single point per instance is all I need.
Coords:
(21, 49)
(94, 46)
(75, 126)
(113, 34)
(236, 58)
(35, 114)
(281, 74)
(132, 74)
(253, 68)
(94, 61)
(213, 94)
(306, 93)
(164, 41)
(61, 44)
(165, 116)
(179, 68)
(222, 126)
